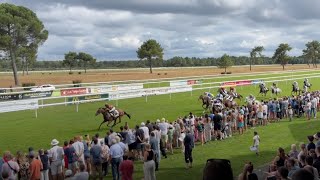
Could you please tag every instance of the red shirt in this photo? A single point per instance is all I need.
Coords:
(35, 169)
(126, 169)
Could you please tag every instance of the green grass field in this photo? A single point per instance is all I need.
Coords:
(19, 130)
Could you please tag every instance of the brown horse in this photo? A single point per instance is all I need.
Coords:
(206, 100)
(107, 117)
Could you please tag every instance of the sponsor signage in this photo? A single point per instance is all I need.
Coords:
(178, 83)
(36, 94)
(243, 82)
(8, 97)
(89, 97)
(76, 91)
(257, 81)
(192, 82)
(11, 106)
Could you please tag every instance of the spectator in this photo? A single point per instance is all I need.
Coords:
(310, 168)
(247, 173)
(79, 149)
(56, 156)
(145, 132)
(149, 126)
(302, 174)
(139, 141)
(302, 161)
(188, 145)
(105, 158)
(316, 163)
(1, 164)
(130, 141)
(82, 175)
(240, 123)
(126, 169)
(293, 152)
(311, 145)
(290, 112)
(317, 138)
(96, 159)
(86, 152)
(111, 136)
(170, 139)
(164, 132)
(280, 158)
(122, 145)
(217, 120)
(116, 154)
(314, 107)
(123, 133)
(283, 173)
(149, 165)
(45, 164)
(24, 164)
(291, 166)
(10, 167)
(4, 175)
(217, 169)
(69, 152)
(68, 175)
(35, 167)
(256, 142)
(154, 143)
(303, 150)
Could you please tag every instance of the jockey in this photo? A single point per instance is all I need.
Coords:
(306, 82)
(295, 83)
(224, 91)
(232, 89)
(219, 97)
(208, 94)
(112, 110)
(274, 85)
(252, 98)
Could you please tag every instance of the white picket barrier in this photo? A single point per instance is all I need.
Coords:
(134, 93)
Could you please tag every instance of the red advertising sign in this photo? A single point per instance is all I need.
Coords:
(243, 82)
(228, 84)
(77, 91)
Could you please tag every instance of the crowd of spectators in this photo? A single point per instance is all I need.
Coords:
(84, 157)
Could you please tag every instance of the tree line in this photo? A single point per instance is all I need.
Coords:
(21, 33)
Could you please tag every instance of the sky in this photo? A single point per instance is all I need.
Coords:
(114, 29)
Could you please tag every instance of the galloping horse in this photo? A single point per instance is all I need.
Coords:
(236, 95)
(206, 100)
(275, 90)
(107, 117)
(263, 90)
(306, 86)
(295, 89)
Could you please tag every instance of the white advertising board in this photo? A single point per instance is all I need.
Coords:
(19, 105)
(178, 83)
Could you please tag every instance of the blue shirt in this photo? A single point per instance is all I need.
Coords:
(70, 153)
(95, 153)
(130, 138)
(122, 145)
(116, 151)
(154, 143)
(86, 151)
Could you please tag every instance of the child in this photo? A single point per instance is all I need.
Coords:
(256, 142)
(290, 112)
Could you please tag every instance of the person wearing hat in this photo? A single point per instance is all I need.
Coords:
(116, 154)
(56, 155)
(68, 175)
(145, 132)
(164, 132)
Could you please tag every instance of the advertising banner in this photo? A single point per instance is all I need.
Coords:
(8, 97)
(36, 94)
(228, 84)
(257, 81)
(178, 83)
(243, 82)
(89, 97)
(76, 91)
(192, 82)
(20, 105)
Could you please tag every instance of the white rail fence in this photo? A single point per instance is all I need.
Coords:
(33, 104)
(167, 80)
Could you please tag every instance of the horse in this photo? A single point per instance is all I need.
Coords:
(295, 89)
(236, 95)
(275, 90)
(107, 117)
(206, 100)
(229, 104)
(263, 90)
(306, 86)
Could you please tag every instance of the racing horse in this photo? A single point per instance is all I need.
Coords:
(295, 89)
(107, 117)
(236, 95)
(206, 101)
(275, 90)
(306, 86)
(263, 90)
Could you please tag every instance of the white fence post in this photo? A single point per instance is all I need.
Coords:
(65, 101)
(77, 106)
(36, 112)
(42, 103)
(146, 97)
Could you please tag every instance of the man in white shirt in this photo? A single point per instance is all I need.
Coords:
(163, 126)
(79, 149)
(56, 156)
(256, 142)
(112, 135)
(145, 132)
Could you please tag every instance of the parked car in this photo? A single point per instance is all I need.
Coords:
(45, 87)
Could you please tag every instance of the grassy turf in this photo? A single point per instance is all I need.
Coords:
(19, 130)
